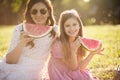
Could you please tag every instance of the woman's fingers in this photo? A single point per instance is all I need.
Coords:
(25, 38)
(29, 39)
(24, 34)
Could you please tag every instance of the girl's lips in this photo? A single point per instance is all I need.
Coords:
(72, 32)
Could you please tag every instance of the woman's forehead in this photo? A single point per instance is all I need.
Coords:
(39, 5)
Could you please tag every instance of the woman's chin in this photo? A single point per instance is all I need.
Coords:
(40, 23)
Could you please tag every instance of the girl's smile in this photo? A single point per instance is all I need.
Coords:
(71, 27)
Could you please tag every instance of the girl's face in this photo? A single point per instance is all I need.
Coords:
(71, 27)
(39, 13)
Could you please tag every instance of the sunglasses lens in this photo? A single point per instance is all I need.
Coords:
(43, 11)
(34, 12)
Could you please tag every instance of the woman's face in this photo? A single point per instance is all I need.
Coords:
(71, 27)
(39, 13)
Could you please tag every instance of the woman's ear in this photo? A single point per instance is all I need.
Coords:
(48, 14)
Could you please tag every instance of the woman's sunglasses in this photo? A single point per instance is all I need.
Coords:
(35, 11)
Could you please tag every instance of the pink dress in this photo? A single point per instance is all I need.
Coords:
(58, 70)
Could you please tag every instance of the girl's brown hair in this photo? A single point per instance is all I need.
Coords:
(63, 36)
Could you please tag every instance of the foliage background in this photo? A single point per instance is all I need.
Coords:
(91, 11)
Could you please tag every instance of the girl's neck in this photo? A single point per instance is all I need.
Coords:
(71, 40)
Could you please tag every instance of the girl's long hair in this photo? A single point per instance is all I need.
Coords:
(63, 36)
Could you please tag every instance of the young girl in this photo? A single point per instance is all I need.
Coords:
(67, 60)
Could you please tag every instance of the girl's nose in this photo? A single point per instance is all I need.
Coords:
(71, 27)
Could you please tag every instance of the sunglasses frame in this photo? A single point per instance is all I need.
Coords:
(35, 11)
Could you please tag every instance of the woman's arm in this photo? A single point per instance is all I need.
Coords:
(18, 41)
(13, 56)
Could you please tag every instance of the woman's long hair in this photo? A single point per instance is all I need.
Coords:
(50, 21)
(63, 36)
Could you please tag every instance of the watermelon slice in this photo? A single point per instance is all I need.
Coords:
(90, 44)
(35, 30)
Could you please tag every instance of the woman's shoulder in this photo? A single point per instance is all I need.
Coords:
(19, 27)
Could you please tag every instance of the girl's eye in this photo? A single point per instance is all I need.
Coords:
(75, 24)
(67, 25)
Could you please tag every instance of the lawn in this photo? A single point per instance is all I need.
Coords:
(101, 66)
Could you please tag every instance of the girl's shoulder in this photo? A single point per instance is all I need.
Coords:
(57, 49)
(57, 41)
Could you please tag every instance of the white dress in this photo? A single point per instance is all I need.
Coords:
(31, 62)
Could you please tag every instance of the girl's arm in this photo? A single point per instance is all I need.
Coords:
(84, 62)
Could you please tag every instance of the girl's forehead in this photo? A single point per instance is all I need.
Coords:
(73, 19)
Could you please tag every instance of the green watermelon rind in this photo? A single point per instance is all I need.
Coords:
(84, 46)
(24, 28)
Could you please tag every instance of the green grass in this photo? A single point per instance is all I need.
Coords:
(5, 36)
(101, 66)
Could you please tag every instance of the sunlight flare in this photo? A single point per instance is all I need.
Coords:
(86, 1)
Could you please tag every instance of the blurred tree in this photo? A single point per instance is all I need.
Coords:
(91, 11)
(104, 11)
(10, 10)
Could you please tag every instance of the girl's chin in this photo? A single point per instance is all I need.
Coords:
(72, 36)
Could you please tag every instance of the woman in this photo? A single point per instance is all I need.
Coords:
(67, 60)
(26, 56)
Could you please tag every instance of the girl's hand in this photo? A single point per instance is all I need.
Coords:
(98, 51)
(24, 38)
(76, 44)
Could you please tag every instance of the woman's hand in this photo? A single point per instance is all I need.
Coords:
(24, 39)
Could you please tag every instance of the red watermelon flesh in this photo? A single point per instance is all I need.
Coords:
(90, 44)
(36, 30)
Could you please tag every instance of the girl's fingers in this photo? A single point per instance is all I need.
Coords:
(78, 41)
(102, 49)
